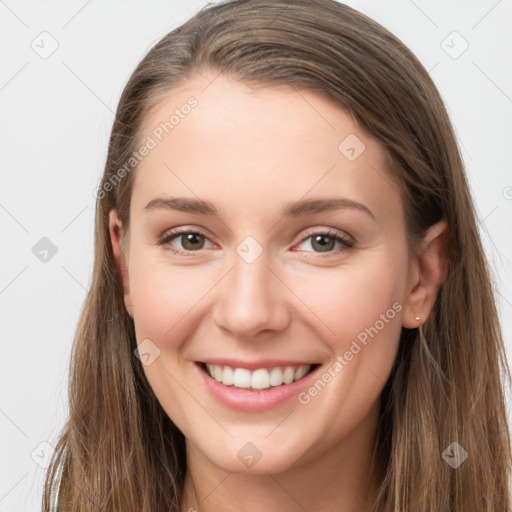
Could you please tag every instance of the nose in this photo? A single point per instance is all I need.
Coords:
(251, 299)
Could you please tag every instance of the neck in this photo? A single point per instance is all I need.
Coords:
(340, 479)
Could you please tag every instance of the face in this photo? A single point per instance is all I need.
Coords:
(266, 239)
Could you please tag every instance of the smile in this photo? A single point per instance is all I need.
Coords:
(256, 389)
(258, 379)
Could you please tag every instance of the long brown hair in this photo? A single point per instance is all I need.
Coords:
(119, 451)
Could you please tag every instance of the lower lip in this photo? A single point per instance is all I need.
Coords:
(254, 401)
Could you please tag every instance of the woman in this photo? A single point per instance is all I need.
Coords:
(290, 306)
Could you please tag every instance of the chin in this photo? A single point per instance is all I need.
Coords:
(256, 458)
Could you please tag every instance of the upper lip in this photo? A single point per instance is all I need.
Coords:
(253, 365)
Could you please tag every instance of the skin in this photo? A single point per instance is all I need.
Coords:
(251, 153)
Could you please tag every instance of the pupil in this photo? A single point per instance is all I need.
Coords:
(191, 240)
(326, 242)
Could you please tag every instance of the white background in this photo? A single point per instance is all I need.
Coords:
(56, 115)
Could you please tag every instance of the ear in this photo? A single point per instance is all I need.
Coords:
(428, 271)
(116, 238)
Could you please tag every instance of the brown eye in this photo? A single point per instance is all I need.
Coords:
(322, 243)
(327, 242)
(192, 241)
(185, 241)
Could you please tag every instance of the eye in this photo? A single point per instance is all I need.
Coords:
(325, 242)
(188, 240)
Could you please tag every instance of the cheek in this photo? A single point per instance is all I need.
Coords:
(358, 310)
(166, 299)
(164, 295)
(349, 299)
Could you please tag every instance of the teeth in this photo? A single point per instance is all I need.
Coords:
(260, 379)
(276, 377)
(227, 376)
(288, 375)
(241, 378)
(257, 379)
(300, 372)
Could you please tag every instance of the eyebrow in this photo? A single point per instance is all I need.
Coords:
(300, 208)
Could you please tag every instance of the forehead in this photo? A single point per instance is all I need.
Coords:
(220, 138)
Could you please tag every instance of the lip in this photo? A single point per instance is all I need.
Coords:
(253, 401)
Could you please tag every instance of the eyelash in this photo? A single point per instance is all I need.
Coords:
(345, 241)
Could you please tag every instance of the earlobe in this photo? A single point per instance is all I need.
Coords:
(116, 239)
(431, 271)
